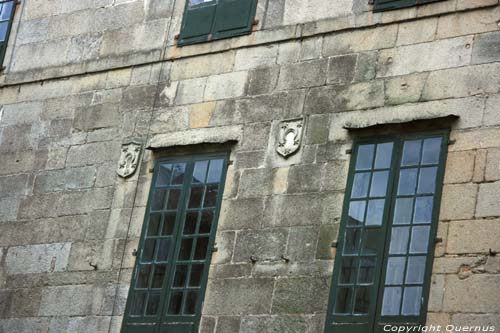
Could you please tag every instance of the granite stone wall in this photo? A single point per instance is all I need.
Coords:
(83, 77)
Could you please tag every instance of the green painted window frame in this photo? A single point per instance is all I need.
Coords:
(372, 321)
(385, 5)
(176, 237)
(6, 21)
(216, 19)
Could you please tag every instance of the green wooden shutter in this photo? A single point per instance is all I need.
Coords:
(383, 5)
(197, 23)
(234, 17)
(7, 10)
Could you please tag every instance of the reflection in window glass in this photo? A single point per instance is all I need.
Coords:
(392, 301)
(416, 269)
(153, 303)
(178, 176)
(384, 155)
(215, 171)
(356, 212)
(366, 270)
(164, 175)
(348, 270)
(360, 186)
(432, 150)
(427, 180)
(402, 212)
(365, 157)
(411, 301)
(395, 270)
(399, 240)
(423, 210)
(343, 301)
(379, 184)
(200, 171)
(362, 302)
(370, 239)
(419, 239)
(407, 181)
(137, 307)
(375, 212)
(411, 152)
(351, 241)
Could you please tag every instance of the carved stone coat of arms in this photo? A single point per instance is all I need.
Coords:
(129, 159)
(289, 136)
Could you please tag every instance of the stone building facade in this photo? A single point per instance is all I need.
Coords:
(82, 78)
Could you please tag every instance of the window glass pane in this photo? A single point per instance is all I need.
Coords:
(178, 177)
(154, 224)
(366, 269)
(6, 10)
(416, 269)
(343, 301)
(419, 239)
(427, 180)
(351, 241)
(375, 212)
(360, 185)
(185, 251)
(362, 302)
(211, 196)
(379, 184)
(411, 301)
(399, 240)
(348, 270)
(195, 197)
(149, 250)
(432, 150)
(356, 212)
(168, 224)
(180, 276)
(370, 240)
(215, 171)
(173, 199)
(196, 273)
(143, 273)
(395, 270)
(190, 304)
(402, 212)
(199, 172)
(407, 181)
(3, 30)
(206, 221)
(175, 303)
(159, 276)
(392, 301)
(158, 201)
(411, 152)
(138, 303)
(190, 223)
(365, 157)
(384, 155)
(163, 248)
(201, 248)
(153, 304)
(423, 210)
(164, 175)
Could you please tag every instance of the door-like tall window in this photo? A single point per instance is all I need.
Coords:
(171, 271)
(386, 239)
(7, 9)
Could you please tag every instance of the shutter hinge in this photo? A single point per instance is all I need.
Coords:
(438, 240)
(348, 151)
(451, 142)
(334, 244)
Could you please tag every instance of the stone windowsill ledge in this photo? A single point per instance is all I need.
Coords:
(261, 37)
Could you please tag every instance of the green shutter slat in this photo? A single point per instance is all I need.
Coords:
(383, 5)
(197, 23)
(234, 17)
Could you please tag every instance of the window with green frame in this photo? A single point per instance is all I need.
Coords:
(171, 270)
(7, 9)
(383, 5)
(206, 20)
(386, 238)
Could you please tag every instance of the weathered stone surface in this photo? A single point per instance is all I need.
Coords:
(249, 295)
(458, 202)
(305, 178)
(200, 114)
(228, 324)
(477, 236)
(414, 32)
(306, 11)
(459, 167)
(37, 258)
(25, 325)
(300, 75)
(202, 66)
(341, 69)
(262, 244)
(250, 58)
(476, 289)
(282, 105)
(436, 293)
(491, 114)
(225, 86)
(312, 298)
(487, 200)
(80, 324)
(493, 165)
(447, 53)
(327, 235)
(486, 48)
(241, 214)
(196, 136)
(190, 91)
(262, 80)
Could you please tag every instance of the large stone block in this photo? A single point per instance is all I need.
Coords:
(459, 167)
(95, 117)
(16, 185)
(458, 202)
(473, 294)
(262, 80)
(92, 153)
(224, 86)
(297, 11)
(202, 66)
(282, 105)
(296, 210)
(250, 58)
(405, 89)
(360, 40)
(241, 214)
(25, 325)
(477, 236)
(486, 48)
(475, 320)
(77, 300)
(492, 171)
(341, 69)
(37, 258)
(447, 53)
(305, 178)
(304, 240)
(301, 75)
(467, 23)
(436, 293)
(80, 324)
(419, 31)
(491, 112)
(238, 296)
(487, 200)
(312, 298)
(262, 244)
(190, 91)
